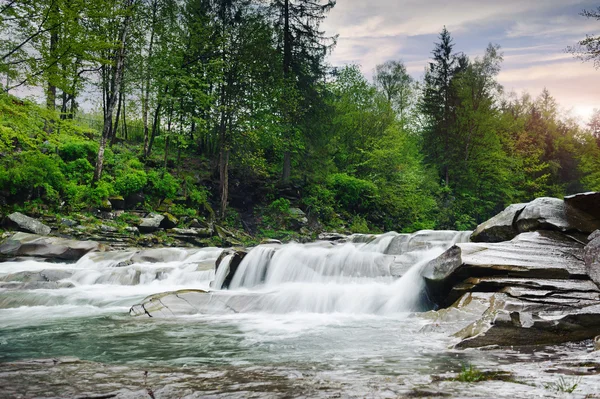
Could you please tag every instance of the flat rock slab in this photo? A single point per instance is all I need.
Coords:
(24, 244)
(503, 326)
(189, 302)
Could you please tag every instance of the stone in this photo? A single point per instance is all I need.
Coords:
(237, 256)
(106, 206)
(332, 236)
(108, 229)
(151, 223)
(541, 255)
(169, 221)
(548, 213)
(24, 244)
(223, 233)
(132, 230)
(26, 224)
(270, 241)
(591, 257)
(189, 302)
(499, 228)
(597, 343)
(133, 200)
(68, 222)
(587, 202)
(118, 202)
(33, 280)
(159, 255)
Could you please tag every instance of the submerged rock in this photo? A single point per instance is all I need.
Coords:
(26, 224)
(24, 244)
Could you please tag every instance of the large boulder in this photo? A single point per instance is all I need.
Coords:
(31, 280)
(501, 227)
(540, 291)
(544, 213)
(25, 223)
(586, 202)
(151, 223)
(24, 244)
(169, 221)
(591, 257)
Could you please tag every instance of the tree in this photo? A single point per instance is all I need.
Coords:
(396, 84)
(303, 48)
(588, 49)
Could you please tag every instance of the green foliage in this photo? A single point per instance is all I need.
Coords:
(351, 193)
(162, 185)
(131, 182)
(564, 385)
(359, 225)
(470, 374)
(280, 206)
(74, 150)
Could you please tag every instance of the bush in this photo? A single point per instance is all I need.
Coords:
(131, 182)
(162, 185)
(79, 170)
(353, 194)
(31, 170)
(73, 150)
(359, 225)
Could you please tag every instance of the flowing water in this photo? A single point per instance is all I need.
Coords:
(313, 320)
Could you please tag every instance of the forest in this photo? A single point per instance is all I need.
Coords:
(229, 111)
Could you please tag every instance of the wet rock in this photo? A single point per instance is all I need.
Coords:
(501, 227)
(597, 343)
(270, 241)
(118, 202)
(591, 257)
(502, 327)
(160, 255)
(24, 244)
(169, 221)
(237, 256)
(586, 202)
(31, 280)
(187, 302)
(151, 223)
(332, 236)
(25, 223)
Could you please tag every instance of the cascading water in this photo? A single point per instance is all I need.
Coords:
(359, 276)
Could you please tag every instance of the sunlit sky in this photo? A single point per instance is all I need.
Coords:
(533, 35)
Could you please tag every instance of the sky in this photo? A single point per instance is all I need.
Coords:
(533, 35)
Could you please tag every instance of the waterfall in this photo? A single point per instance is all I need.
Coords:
(366, 274)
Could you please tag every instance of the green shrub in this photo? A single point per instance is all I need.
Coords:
(320, 201)
(131, 182)
(31, 170)
(198, 196)
(359, 225)
(162, 185)
(281, 206)
(351, 193)
(80, 170)
(73, 150)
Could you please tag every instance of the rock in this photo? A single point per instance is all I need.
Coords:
(597, 343)
(196, 224)
(169, 221)
(108, 229)
(544, 213)
(553, 214)
(151, 223)
(26, 224)
(106, 215)
(134, 200)
(267, 241)
(237, 256)
(24, 244)
(332, 236)
(594, 235)
(68, 222)
(500, 327)
(188, 302)
(160, 255)
(542, 255)
(591, 256)
(33, 280)
(223, 233)
(132, 230)
(118, 202)
(184, 232)
(106, 206)
(586, 202)
(499, 228)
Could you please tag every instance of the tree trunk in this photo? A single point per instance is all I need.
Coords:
(116, 84)
(113, 133)
(146, 90)
(223, 180)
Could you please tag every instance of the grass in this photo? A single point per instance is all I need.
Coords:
(564, 385)
(471, 374)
